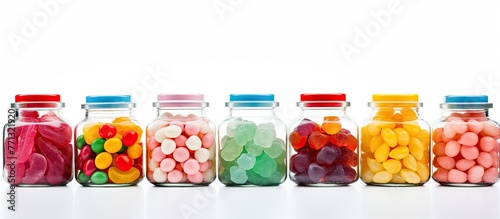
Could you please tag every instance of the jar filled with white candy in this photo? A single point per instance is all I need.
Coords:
(180, 142)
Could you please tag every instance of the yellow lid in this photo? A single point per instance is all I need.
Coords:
(395, 97)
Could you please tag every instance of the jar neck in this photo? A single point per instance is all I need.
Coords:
(251, 112)
(323, 111)
(41, 111)
(106, 113)
(199, 112)
(466, 113)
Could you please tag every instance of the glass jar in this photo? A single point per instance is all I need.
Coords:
(323, 142)
(109, 143)
(252, 142)
(37, 142)
(465, 150)
(395, 142)
(181, 142)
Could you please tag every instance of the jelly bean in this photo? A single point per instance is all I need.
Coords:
(331, 125)
(399, 152)
(416, 148)
(118, 176)
(392, 166)
(167, 146)
(410, 162)
(469, 139)
(490, 129)
(464, 164)
(484, 159)
(389, 137)
(367, 175)
(457, 176)
(103, 160)
(80, 142)
(89, 167)
(181, 154)
(382, 177)
(439, 149)
(374, 166)
(410, 176)
(202, 155)
(423, 172)
(437, 135)
(397, 178)
(446, 162)
(91, 132)
(134, 151)
(375, 142)
(82, 178)
(488, 143)
(474, 126)
(373, 129)
(469, 152)
(317, 140)
(107, 130)
(159, 176)
(403, 136)
(175, 176)
(475, 174)
(412, 128)
(99, 177)
(441, 175)
(122, 149)
(490, 175)
(192, 128)
(98, 145)
(452, 149)
(208, 140)
(193, 143)
(167, 164)
(112, 145)
(458, 126)
(86, 153)
(382, 153)
(496, 161)
(123, 162)
(129, 138)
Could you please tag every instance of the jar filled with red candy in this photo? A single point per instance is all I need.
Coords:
(324, 142)
(108, 143)
(181, 142)
(37, 142)
(395, 142)
(465, 143)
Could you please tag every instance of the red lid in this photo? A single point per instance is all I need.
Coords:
(323, 100)
(38, 98)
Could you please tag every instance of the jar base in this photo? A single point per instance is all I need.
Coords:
(466, 184)
(394, 184)
(181, 184)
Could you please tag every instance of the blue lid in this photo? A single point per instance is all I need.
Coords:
(466, 99)
(108, 99)
(251, 100)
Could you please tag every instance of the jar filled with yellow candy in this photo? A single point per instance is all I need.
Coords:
(108, 143)
(395, 142)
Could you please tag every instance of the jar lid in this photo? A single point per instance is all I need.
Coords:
(180, 100)
(108, 102)
(466, 102)
(395, 100)
(323, 100)
(251, 100)
(37, 101)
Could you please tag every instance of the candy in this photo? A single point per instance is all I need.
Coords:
(91, 132)
(103, 160)
(484, 159)
(410, 176)
(36, 170)
(59, 133)
(55, 161)
(80, 142)
(475, 174)
(469, 153)
(118, 176)
(306, 127)
(167, 165)
(296, 140)
(181, 154)
(410, 162)
(175, 176)
(382, 153)
(196, 178)
(192, 128)
(452, 149)
(82, 177)
(265, 134)
(457, 176)
(382, 177)
(399, 152)
(238, 175)
(159, 176)
(331, 125)
(244, 132)
(464, 164)
(89, 167)
(328, 155)
(276, 149)
(474, 126)
(123, 162)
(191, 166)
(25, 142)
(107, 130)
(99, 177)
(193, 143)
(134, 151)
(112, 145)
(488, 143)
(317, 140)
(168, 146)
(202, 155)
(402, 136)
(392, 166)
(468, 139)
(129, 138)
(389, 137)
(490, 175)
(98, 145)
(316, 172)
(208, 140)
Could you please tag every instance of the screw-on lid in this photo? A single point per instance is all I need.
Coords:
(108, 102)
(395, 100)
(180, 100)
(466, 102)
(37, 101)
(251, 100)
(323, 100)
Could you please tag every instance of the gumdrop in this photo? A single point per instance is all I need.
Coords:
(348, 158)
(230, 150)
(350, 174)
(299, 163)
(238, 175)
(265, 166)
(316, 172)
(344, 138)
(336, 175)
(59, 133)
(265, 135)
(55, 160)
(36, 169)
(306, 127)
(302, 178)
(331, 125)
(255, 178)
(232, 126)
(244, 132)
(253, 149)
(317, 140)
(276, 149)
(297, 141)
(328, 154)
(246, 161)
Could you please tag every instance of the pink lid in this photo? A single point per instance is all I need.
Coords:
(180, 100)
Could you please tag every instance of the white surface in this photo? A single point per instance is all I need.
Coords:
(284, 47)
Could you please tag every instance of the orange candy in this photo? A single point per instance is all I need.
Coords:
(331, 125)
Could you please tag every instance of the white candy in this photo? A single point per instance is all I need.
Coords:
(211, 156)
(153, 128)
(159, 176)
(201, 155)
(172, 131)
(152, 165)
(168, 146)
(193, 143)
(208, 175)
(204, 127)
(160, 135)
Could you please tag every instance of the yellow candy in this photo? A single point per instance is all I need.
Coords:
(375, 142)
(134, 151)
(374, 166)
(385, 112)
(365, 139)
(331, 125)
(390, 138)
(103, 160)
(409, 114)
(367, 175)
(397, 178)
(382, 177)
(399, 152)
(397, 117)
(124, 124)
(403, 136)
(423, 172)
(425, 158)
(118, 176)
(424, 137)
(410, 176)
(382, 153)
(410, 162)
(416, 148)
(121, 119)
(412, 127)
(113, 145)
(372, 129)
(392, 166)
(91, 132)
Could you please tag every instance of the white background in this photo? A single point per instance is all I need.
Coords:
(285, 47)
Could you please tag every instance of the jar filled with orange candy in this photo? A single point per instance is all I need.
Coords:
(324, 142)
(395, 142)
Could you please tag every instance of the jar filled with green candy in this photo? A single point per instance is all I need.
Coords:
(252, 142)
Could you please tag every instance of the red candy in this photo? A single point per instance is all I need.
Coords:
(317, 140)
(107, 130)
(89, 167)
(129, 138)
(297, 141)
(123, 162)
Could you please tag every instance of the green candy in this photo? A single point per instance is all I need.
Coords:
(80, 142)
(99, 177)
(230, 150)
(253, 149)
(256, 179)
(82, 178)
(122, 149)
(244, 132)
(265, 166)
(238, 175)
(276, 148)
(97, 145)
